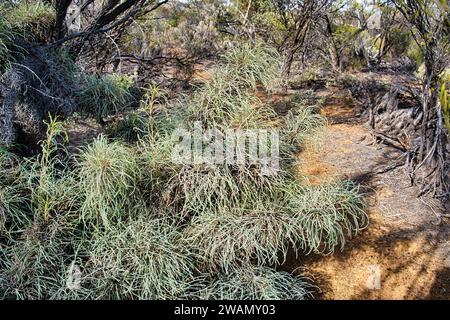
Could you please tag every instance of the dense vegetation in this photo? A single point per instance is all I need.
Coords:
(116, 218)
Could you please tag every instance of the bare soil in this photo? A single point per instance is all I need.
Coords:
(405, 251)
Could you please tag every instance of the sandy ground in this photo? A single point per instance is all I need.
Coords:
(405, 251)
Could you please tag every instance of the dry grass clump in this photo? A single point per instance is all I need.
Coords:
(108, 173)
(257, 283)
(142, 259)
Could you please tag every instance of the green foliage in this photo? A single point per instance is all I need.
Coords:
(7, 43)
(130, 129)
(345, 31)
(229, 240)
(414, 52)
(251, 64)
(142, 259)
(301, 123)
(108, 173)
(445, 103)
(29, 21)
(105, 95)
(228, 99)
(327, 214)
(265, 225)
(36, 266)
(256, 283)
(14, 199)
(130, 224)
(44, 181)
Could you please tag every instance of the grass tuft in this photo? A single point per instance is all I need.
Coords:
(142, 259)
(108, 173)
(257, 283)
(105, 95)
(327, 214)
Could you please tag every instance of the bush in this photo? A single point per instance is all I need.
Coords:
(51, 185)
(257, 283)
(196, 190)
(36, 266)
(326, 215)
(31, 21)
(227, 241)
(129, 129)
(42, 83)
(253, 63)
(261, 229)
(126, 222)
(300, 124)
(227, 99)
(15, 213)
(140, 260)
(108, 175)
(105, 95)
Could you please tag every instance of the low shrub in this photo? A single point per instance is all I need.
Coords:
(105, 95)
(15, 211)
(142, 259)
(257, 283)
(36, 266)
(327, 214)
(107, 173)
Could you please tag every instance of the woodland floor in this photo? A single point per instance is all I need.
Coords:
(405, 241)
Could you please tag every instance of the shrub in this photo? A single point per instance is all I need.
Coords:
(8, 47)
(50, 185)
(36, 266)
(42, 83)
(140, 260)
(253, 63)
(227, 241)
(196, 190)
(260, 229)
(15, 213)
(108, 174)
(130, 129)
(226, 99)
(105, 95)
(300, 124)
(257, 283)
